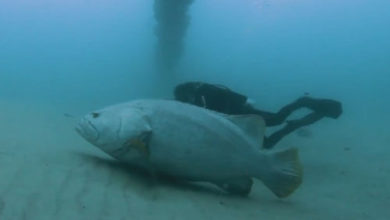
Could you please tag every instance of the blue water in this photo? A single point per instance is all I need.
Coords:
(85, 49)
(78, 55)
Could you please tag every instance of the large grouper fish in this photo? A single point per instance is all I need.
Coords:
(192, 143)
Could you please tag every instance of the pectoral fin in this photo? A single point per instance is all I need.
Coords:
(240, 186)
(141, 143)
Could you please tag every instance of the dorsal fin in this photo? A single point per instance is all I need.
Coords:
(252, 125)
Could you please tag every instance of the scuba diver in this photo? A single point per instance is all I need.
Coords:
(223, 100)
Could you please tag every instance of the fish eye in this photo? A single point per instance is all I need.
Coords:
(95, 114)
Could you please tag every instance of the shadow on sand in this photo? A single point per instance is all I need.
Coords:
(153, 187)
(143, 180)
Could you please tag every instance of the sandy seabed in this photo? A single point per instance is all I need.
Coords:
(48, 172)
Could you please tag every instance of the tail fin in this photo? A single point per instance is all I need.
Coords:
(286, 173)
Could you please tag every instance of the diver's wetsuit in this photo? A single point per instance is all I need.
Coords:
(222, 99)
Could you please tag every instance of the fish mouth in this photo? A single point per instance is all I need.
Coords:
(87, 130)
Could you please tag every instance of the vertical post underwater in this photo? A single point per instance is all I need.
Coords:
(172, 21)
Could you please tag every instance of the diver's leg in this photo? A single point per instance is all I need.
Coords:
(273, 119)
(292, 125)
(326, 107)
